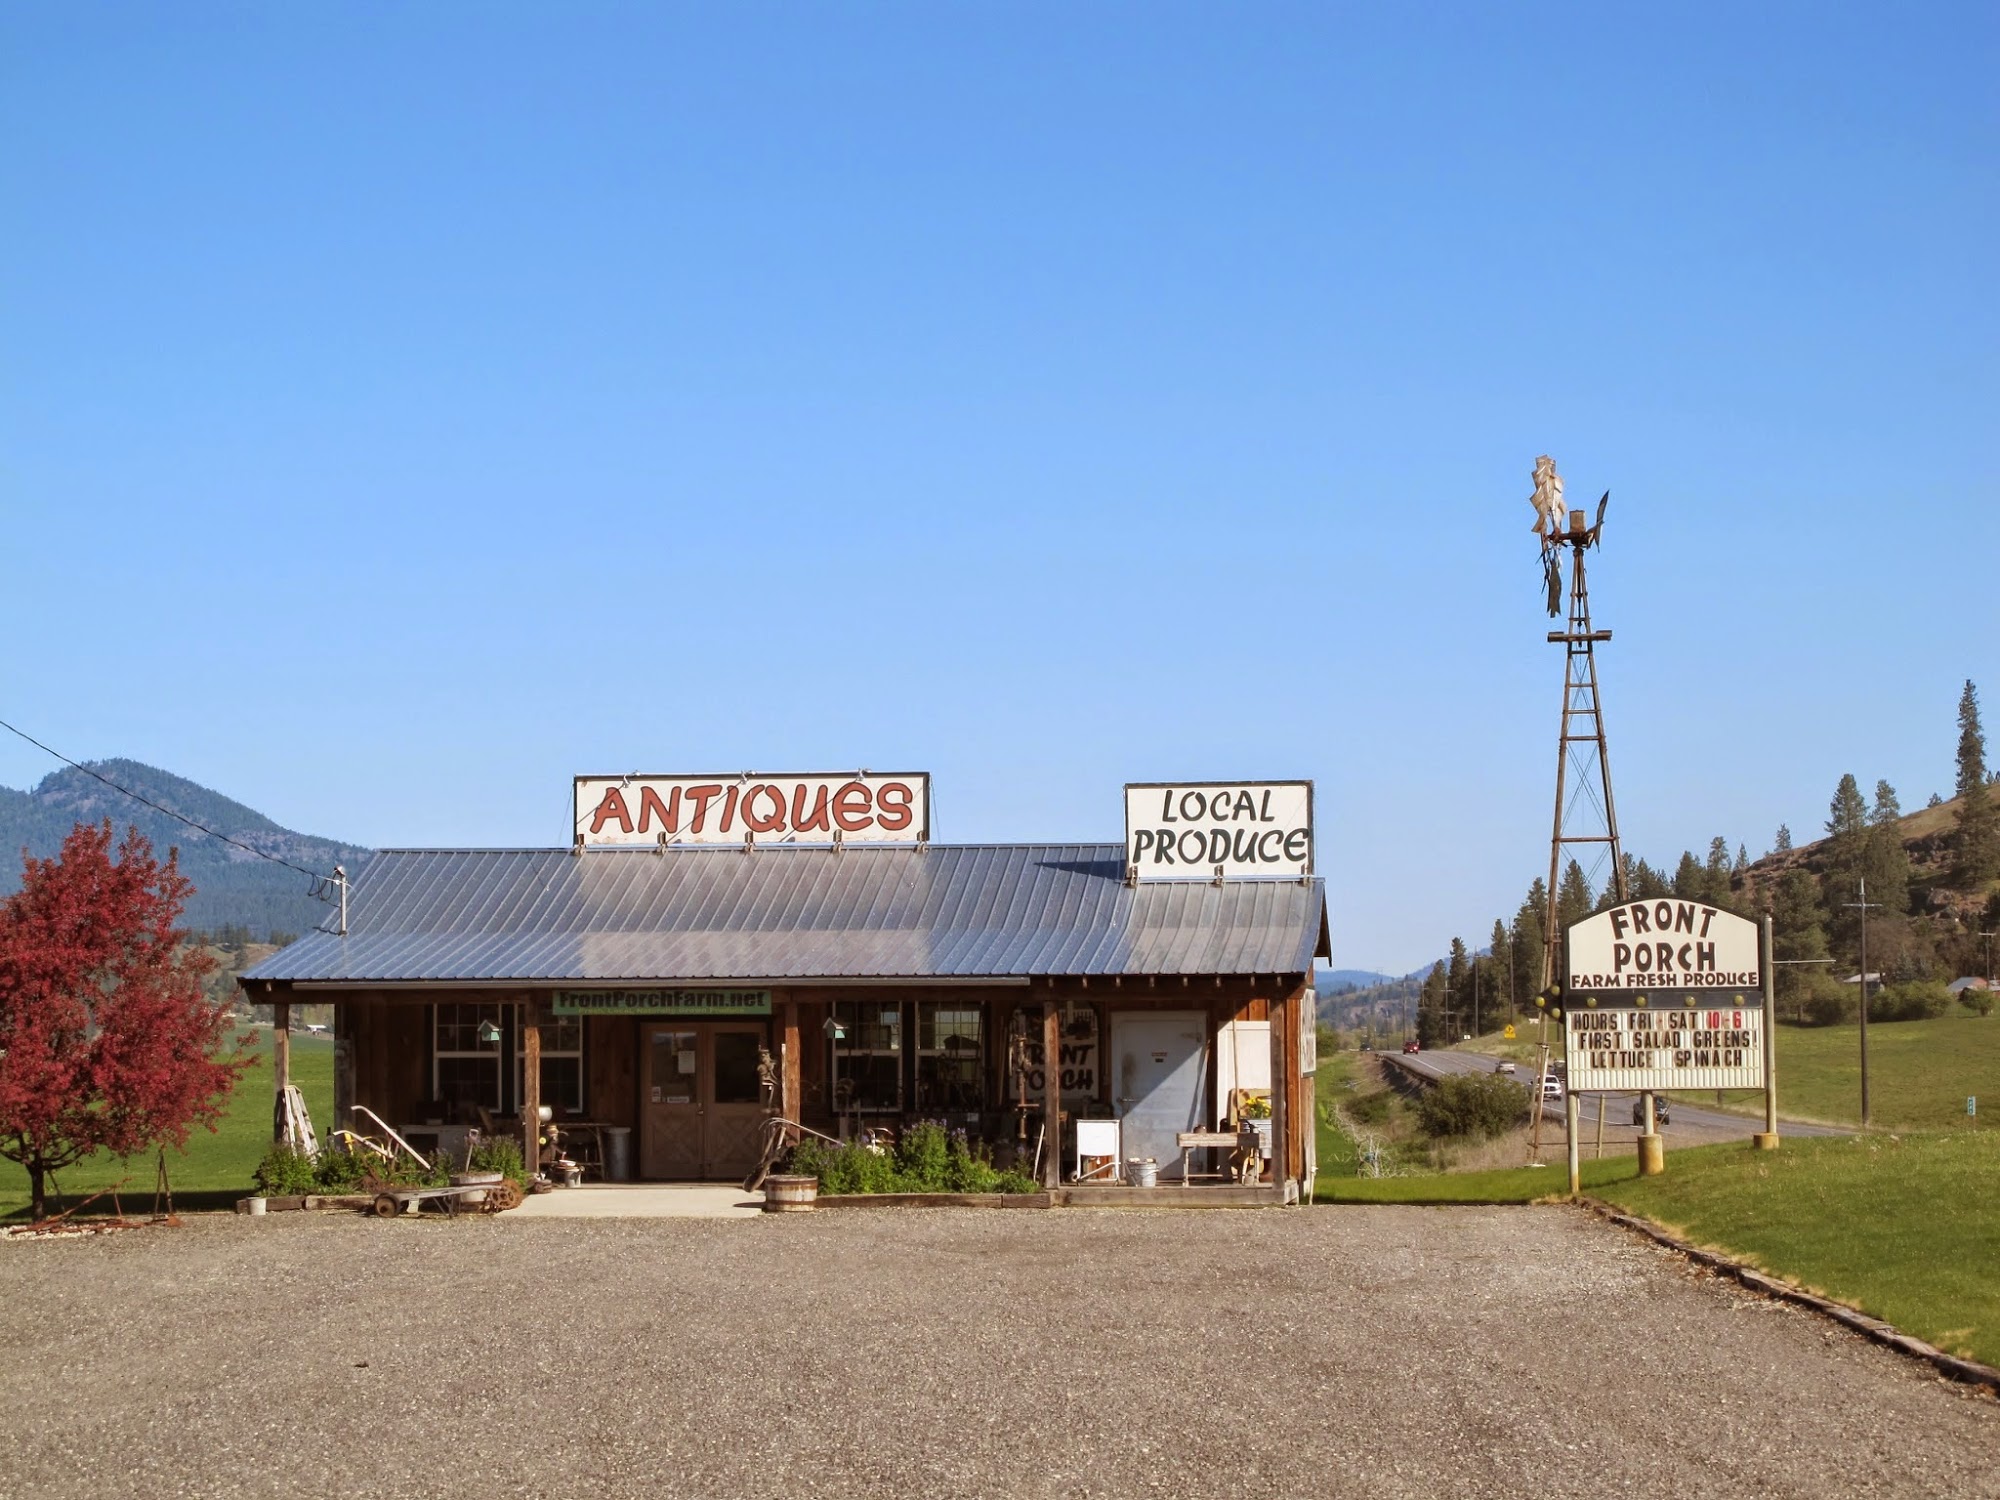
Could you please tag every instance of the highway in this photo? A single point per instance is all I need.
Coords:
(1617, 1107)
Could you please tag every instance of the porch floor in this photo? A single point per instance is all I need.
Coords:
(642, 1200)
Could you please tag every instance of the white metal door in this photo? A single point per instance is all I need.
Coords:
(1161, 1081)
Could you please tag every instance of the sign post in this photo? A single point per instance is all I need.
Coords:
(1767, 1139)
(1667, 994)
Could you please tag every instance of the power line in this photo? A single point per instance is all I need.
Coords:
(321, 883)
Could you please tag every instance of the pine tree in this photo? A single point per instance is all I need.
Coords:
(1648, 884)
(1431, 1003)
(1847, 814)
(1690, 880)
(1742, 859)
(1574, 897)
(1500, 945)
(1458, 987)
(1784, 843)
(1715, 875)
(1530, 939)
(1798, 932)
(1976, 846)
(1887, 808)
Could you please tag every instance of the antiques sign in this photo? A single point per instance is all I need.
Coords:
(662, 1002)
(1228, 830)
(854, 808)
(1664, 995)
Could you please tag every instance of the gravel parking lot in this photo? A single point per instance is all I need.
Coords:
(1378, 1351)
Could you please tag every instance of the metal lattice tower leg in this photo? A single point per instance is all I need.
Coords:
(1585, 812)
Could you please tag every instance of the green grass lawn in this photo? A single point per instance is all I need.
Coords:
(1919, 1072)
(1905, 1228)
(216, 1167)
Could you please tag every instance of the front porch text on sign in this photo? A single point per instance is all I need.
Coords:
(1664, 994)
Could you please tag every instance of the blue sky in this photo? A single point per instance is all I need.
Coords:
(402, 410)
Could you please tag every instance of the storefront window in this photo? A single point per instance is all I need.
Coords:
(868, 1061)
(465, 1071)
(951, 1058)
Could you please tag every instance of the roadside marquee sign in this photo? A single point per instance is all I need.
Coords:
(1219, 830)
(1664, 994)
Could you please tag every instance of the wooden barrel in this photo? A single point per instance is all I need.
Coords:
(789, 1195)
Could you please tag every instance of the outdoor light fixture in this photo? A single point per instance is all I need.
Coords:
(488, 1033)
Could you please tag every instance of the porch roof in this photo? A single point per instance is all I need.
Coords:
(940, 911)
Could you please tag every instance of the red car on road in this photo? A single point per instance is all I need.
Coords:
(1413, 1046)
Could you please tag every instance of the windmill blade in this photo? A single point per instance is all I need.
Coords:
(1604, 501)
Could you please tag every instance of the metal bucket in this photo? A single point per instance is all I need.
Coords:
(476, 1179)
(789, 1195)
(1142, 1171)
(257, 1206)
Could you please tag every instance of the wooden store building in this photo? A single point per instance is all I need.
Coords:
(708, 953)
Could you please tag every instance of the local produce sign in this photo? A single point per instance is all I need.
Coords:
(858, 808)
(662, 1002)
(1664, 995)
(1236, 830)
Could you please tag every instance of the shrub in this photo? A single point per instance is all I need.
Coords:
(1917, 1000)
(1468, 1104)
(1978, 1001)
(1828, 1002)
(341, 1171)
(500, 1154)
(928, 1159)
(285, 1173)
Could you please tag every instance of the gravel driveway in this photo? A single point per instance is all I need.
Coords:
(1348, 1351)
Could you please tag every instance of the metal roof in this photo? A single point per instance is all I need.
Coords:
(938, 911)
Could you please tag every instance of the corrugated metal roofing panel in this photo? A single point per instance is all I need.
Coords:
(943, 911)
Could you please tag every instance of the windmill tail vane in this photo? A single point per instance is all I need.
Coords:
(1555, 525)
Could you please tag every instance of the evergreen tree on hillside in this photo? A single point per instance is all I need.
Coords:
(1647, 883)
(1530, 939)
(1431, 1001)
(1458, 987)
(1501, 947)
(1742, 859)
(1936, 801)
(1887, 808)
(1976, 846)
(1847, 814)
(1574, 897)
(1784, 843)
(1715, 874)
(1798, 931)
(1690, 880)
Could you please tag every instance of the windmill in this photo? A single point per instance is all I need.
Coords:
(1584, 811)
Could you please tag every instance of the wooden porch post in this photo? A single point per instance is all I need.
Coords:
(281, 1063)
(791, 1089)
(531, 1085)
(1051, 1094)
(1281, 1088)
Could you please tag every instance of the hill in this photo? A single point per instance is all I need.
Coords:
(233, 889)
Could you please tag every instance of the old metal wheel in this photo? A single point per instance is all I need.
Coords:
(384, 1207)
(507, 1195)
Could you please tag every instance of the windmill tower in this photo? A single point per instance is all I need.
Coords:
(1585, 813)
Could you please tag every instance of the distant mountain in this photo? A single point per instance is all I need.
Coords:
(233, 889)
(1349, 979)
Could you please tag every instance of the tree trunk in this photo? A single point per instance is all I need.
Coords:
(38, 1206)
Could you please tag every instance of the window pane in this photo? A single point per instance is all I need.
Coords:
(562, 1083)
(469, 1081)
(736, 1067)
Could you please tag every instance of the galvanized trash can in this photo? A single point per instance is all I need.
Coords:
(1142, 1171)
(618, 1153)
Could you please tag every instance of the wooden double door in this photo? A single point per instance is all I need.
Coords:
(701, 1106)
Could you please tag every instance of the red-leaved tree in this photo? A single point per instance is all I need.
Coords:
(107, 1040)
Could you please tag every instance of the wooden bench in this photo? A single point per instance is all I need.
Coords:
(1245, 1143)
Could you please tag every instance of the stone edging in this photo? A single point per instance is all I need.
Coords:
(1887, 1334)
(932, 1200)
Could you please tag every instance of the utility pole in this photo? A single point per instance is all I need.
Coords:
(1989, 958)
(1862, 906)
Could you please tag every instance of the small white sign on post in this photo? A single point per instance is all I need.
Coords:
(1219, 830)
(1664, 994)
